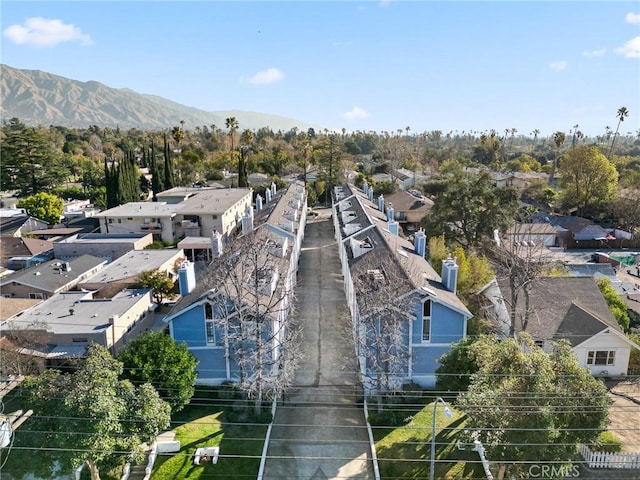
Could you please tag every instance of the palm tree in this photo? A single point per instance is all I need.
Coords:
(232, 124)
(573, 137)
(535, 133)
(622, 114)
(559, 139)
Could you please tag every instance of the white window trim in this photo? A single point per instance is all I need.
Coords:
(430, 317)
(609, 362)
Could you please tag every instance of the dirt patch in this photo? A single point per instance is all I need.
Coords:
(624, 414)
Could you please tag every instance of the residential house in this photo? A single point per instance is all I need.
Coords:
(409, 208)
(192, 212)
(277, 225)
(532, 234)
(61, 327)
(14, 223)
(124, 272)
(369, 246)
(49, 278)
(577, 229)
(157, 218)
(569, 308)
(108, 246)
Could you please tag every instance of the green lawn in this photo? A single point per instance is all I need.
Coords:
(240, 450)
(405, 451)
(201, 423)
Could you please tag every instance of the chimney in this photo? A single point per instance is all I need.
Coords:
(370, 194)
(389, 212)
(392, 225)
(258, 203)
(216, 244)
(247, 224)
(273, 188)
(186, 277)
(450, 274)
(267, 195)
(365, 188)
(381, 203)
(420, 243)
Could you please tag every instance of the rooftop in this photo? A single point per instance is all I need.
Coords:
(77, 312)
(54, 275)
(132, 264)
(212, 201)
(140, 210)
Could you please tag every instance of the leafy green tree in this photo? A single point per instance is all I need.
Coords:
(456, 367)
(158, 281)
(468, 208)
(29, 164)
(156, 358)
(617, 306)
(44, 206)
(522, 397)
(588, 179)
(103, 418)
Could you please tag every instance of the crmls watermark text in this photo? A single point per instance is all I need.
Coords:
(554, 471)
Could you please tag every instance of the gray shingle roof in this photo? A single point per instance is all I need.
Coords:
(562, 307)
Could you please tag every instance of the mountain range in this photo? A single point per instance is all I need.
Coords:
(40, 98)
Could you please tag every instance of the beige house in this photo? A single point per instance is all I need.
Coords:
(63, 326)
(188, 213)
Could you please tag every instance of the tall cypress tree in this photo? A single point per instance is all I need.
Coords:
(169, 180)
(155, 174)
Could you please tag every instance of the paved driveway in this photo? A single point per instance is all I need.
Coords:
(319, 432)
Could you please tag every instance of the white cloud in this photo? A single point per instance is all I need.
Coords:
(270, 75)
(632, 17)
(384, 3)
(561, 65)
(595, 53)
(45, 32)
(356, 113)
(630, 49)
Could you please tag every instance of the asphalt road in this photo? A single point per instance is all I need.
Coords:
(319, 431)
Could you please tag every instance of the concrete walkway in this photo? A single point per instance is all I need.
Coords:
(319, 431)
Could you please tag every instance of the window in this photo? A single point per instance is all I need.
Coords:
(211, 332)
(209, 323)
(36, 296)
(426, 321)
(601, 357)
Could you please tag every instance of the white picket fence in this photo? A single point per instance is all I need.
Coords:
(609, 459)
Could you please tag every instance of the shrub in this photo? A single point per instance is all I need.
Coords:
(607, 442)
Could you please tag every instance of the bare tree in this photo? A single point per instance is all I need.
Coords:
(519, 259)
(18, 347)
(251, 293)
(382, 321)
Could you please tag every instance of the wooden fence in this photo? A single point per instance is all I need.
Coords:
(609, 459)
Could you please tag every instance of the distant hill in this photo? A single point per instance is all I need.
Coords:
(41, 98)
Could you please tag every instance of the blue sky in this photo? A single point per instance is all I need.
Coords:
(367, 65)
